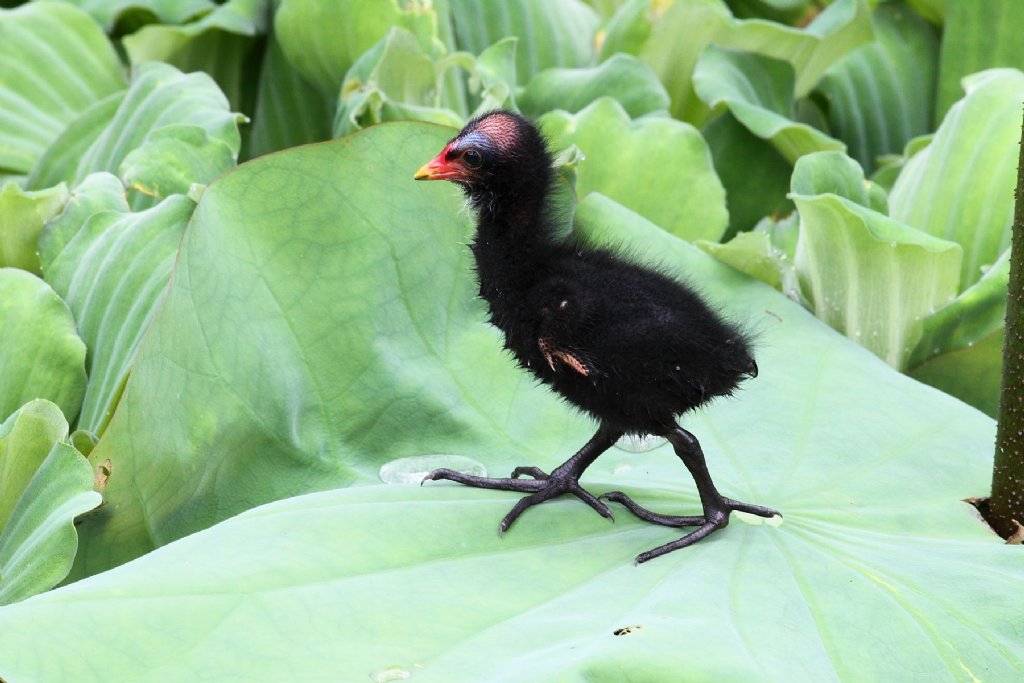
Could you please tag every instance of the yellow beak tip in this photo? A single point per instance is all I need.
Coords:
(423, 174)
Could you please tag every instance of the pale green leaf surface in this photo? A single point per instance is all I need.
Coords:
(977, 35)
(551, 33)
(98, 192)
(624, 77)
(22, 216)
(759, 92)
(960, 187)
(865, 274)
(289, 110)
(41, 354)
(168, 131)
(218, 43)
(54, 44)
(322, 40)
(111, 12)
(972, 373)
(671, 37)
(883, 94)
(112, 272)
(45, 484)
(377, 580)
(932, 10)
(659, 167)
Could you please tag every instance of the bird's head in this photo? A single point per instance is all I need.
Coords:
(496, 155)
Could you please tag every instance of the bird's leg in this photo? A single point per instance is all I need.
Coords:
(563, 479)
(717, 507)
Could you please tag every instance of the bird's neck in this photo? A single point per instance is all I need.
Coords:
(512, 241)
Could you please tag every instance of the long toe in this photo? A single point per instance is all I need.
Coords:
(496, 483)
(643, 513)
(705, 530)
(759, 510)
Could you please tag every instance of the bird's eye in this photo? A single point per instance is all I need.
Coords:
(472, 158)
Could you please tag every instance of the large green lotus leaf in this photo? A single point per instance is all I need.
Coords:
(551, 33)
(322, 40)
(288, 360)
(754, 173)
(671, 36)
(961, 347)
(44, 484)
(759, 92)
(868, 276)
(168, 131)
(219, 43)
(55, 45)
(878, 573)
(41, 354)
(112, 272)
(289, 110)
(960, 187)
(22, 216)
(395, 79)
(883, 94)
(111, 13)
(977, 35)
(659, 167)
(624, 77)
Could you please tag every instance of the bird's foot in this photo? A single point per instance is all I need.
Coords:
(716, 515)
(541, 487)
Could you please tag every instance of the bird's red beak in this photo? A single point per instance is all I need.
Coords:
(440, 168)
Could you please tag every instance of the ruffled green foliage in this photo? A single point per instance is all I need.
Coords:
(308, 321)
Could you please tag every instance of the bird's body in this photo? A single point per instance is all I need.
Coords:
(625, 343)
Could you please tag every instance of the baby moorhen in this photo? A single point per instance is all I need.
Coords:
(629, 345)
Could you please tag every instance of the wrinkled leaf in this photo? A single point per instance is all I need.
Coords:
(41, 354)
(868, 276)
(57, 45)
(759, 92)
(44, 484)
(656, 166)
(167, 131)
(22, 215)
(112, 269)
(883, 94)
(960, 187)
(624, 77)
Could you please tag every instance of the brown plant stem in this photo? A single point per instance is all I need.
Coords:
(1006, 505)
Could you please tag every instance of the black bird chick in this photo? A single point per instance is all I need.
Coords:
(629, 345)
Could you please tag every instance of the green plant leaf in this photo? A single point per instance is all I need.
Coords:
(289, 110)
(218, 43)
(395, 79)
(624, 77)
(111, 13)
(960, 187)
(41, 354)
(386, 582)
(961, 347)
(977, 35)
(112, 267)
(759, 92)
(765, 253)
(552, 33)
(671, 37)
(22, 215)
(882, 94)
(322, 40)
(55, 44)
(868, 276)
(167, 131)
(620, 155)
(44, 484)
(932, 10)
